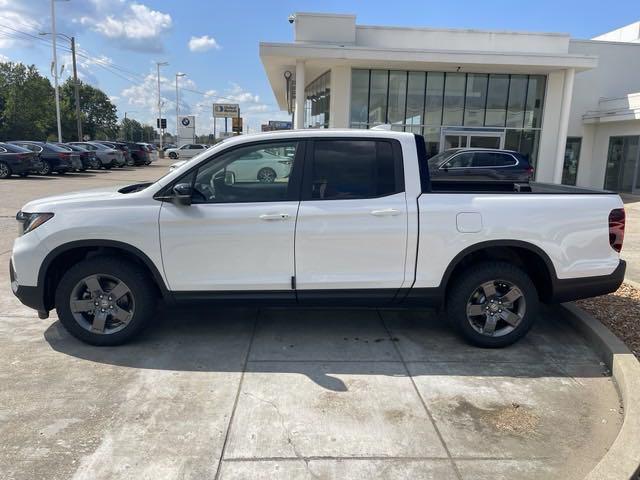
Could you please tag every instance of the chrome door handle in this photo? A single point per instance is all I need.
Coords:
(385, 212)
(274, 216)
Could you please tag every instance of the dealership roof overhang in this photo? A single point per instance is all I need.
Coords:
(278, 58)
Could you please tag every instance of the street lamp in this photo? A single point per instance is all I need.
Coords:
(158, 65)
(178, 105)
(76, 84)
(55, 68)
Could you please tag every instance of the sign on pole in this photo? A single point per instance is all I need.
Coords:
(226, 110)
(186, 129)
(236, 124)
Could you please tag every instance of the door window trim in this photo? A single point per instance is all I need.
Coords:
(295, 177)
(307, 178)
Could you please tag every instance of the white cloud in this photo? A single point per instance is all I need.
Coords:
(133, 25)
(4, 58)
(203, 43)
(17, 17)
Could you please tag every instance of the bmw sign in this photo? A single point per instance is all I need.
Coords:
(185, 121)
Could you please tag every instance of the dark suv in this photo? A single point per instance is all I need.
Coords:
(480, 164)
(139, 155)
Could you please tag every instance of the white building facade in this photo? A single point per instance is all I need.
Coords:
(571, 106)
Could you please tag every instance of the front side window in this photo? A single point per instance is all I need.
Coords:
(254, 173)
(354, 169)
(462, 160)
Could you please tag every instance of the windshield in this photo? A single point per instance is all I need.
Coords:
(55, 148)
(14, 148)
(99, 146)
(440, 158)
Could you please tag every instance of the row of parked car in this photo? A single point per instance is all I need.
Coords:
(24, 157)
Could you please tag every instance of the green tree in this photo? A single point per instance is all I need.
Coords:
(131, 130)
(99, 117)
(27, 109)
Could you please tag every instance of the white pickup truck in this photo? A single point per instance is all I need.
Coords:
(356, 221)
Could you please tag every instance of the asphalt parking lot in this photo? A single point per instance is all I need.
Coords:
(274, 393)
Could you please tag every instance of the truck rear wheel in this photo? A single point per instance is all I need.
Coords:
(492, 304)
(104, 300)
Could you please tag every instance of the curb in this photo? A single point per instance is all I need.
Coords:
(623, 458)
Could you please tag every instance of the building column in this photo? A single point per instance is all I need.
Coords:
(563, 127)
(300, 84)
(340, 100)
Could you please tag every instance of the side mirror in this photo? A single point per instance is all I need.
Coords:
(182, 193)
(229, 178)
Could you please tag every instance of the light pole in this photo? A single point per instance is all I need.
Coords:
(55, 69)
(76, 84)
(158, 65)
(178, 106)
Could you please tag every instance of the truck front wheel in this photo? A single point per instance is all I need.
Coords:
(104, 300)
(492, 304)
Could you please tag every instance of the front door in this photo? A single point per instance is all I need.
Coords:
(352, 223)
(238, 234)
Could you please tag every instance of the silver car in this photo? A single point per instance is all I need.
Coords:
(109, 157)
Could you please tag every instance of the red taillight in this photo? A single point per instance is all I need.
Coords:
(616, 228)
(64, 155)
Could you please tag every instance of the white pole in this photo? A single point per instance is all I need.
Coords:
(159, 107)
(55, 69)
(567, 95)
(177, 111)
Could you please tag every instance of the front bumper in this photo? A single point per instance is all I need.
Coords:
(569, 289)
(32, 297)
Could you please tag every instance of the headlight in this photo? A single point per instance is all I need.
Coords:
(31, 221)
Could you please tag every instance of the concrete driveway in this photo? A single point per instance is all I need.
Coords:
(264, 394)
(631, 246)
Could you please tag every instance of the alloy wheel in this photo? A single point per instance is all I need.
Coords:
(496, 308)
(44, 168)
(4, 171)
(102, 304)
(266, 175)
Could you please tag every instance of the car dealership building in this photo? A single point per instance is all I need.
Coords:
(572, 106)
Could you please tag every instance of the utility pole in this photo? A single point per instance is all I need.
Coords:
(126, 135)
(76, 88)
(158, 65)
(178, 106)
(55, 69)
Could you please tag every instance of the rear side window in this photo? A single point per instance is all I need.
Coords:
(493, 159)
(353, 169)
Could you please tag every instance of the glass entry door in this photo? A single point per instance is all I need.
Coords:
(623, 165)
(471, 139)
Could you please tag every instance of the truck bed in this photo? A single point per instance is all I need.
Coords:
(470, 186)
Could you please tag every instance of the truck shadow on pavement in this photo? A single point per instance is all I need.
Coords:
(324, 345)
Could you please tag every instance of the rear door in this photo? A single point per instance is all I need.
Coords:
(494, 166)
(351, 234)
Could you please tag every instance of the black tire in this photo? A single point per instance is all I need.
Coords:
(96, 164)
(45, 168)
(503, 276)
(266, 175)
(173, 155)
(141, 288)
(5, 170)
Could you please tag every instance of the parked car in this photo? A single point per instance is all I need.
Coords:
(480, 164)
(167, 146)
(51, 157)
(153, 151)
(109, 157)
(368, 227)
(138, 154)
(122, 147)
(185, 151)
(15, 160)
(88, 157)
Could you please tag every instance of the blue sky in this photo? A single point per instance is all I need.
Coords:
(121, 40)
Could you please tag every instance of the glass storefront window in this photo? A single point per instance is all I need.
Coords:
(454, 90)
(535, 97)
(359, 97)
(432, 140)
(379, 83)
(517, 99)
(415, 99)
(317, 95)
(397, 97)
(497, 92)
(571, 159)
(476, 99)
(434, 98)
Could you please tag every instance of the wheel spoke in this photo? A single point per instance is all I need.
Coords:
(512, 295)
(82, 306)
(121, 314)
(93, 284)
(99, 320)
(489, 289)
(490, 325)
(475, 310)
(118, 291)
(510, 317)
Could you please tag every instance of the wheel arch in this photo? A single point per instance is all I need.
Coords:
(68, 254)
(531, 258)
